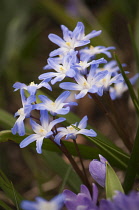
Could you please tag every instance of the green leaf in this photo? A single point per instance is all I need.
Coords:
(112, 153)
(4, 205)
(105, 147)
(112, 182)
(66, 178)
(131, 90)
(61, 168)
(6, 120)
(133, 165)
(115, 156)
(86, 151)
(9, 190)
(71, 118)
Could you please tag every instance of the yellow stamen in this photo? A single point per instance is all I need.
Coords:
(32, 84)
(20, 111)
(81, 63)
(104, 80)
(91, 47)
(71, 128)
(41, 130)
(85, 84)
(68, 44)
(62, 69)
(53, 103)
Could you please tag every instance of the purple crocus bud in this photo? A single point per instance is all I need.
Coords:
(97, 170)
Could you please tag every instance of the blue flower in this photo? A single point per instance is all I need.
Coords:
(62, 70)
(118, 89)
(97, 170)
(41, 131)
(71, 133)
(92, 51)
(90, 84)
(111, 67)
(82, 200)
(57, 106)
(32, 87)
(109, 80)
(41, 204)
(71, 40)
(85, 62)
(23, 113)
(57, 60)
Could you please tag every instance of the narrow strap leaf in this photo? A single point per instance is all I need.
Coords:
(133, 165)
(112, 183)
(131, 90)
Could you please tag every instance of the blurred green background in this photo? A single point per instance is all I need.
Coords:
(24, 49)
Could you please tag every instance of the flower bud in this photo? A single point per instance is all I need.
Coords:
(97, 170)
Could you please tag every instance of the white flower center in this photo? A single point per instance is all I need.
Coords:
(91, 47)
(81, 63)
(53, 106)
(62, 69)
(42, 132)
(119, 88)
(32, 84)
(21, 111)
(71, 129)
(47, 206)
(95, 50)
(68, 44)
(85, 85)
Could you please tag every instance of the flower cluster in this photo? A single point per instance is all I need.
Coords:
(77, 62)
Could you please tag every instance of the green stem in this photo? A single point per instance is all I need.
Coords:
(81, 161)
(65, 151)
(72, 161)
(133, 165)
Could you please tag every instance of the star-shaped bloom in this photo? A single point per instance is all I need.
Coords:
(90, 84)
(41, 204)
(118, 89)
(41, 131)
(71, 39)
(61, 70)
(82, 200)
(32, 87)
(57, 106)
(111, 67)
(92, 51)
(57, 60)
(85, 62)
(71, 133)
(108, 80)
(23, 113)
